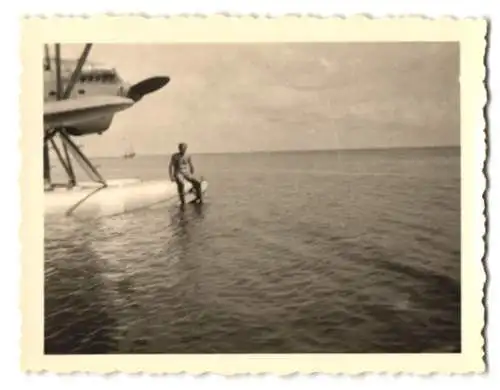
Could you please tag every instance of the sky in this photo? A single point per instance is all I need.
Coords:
(291, 96)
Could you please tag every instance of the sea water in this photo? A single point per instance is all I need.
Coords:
(293, 252)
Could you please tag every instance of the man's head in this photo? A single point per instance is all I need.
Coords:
(182, 147)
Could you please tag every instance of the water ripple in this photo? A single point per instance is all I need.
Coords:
(354, 263)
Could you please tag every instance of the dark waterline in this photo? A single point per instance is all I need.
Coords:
(392, 150)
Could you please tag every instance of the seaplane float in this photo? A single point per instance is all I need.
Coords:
(81, 99)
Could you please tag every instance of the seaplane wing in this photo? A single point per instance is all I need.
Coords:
(69, 112)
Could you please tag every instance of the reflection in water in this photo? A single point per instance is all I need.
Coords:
(96, 296)
(184, 223)
(78, 309)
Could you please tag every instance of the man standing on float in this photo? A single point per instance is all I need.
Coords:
(180, 169)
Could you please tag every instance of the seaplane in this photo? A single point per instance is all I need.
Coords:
(81, 98)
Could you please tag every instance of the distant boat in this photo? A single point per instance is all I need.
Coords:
(129, 153)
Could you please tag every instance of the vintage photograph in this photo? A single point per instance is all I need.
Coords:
(229, 198)
(331, 217)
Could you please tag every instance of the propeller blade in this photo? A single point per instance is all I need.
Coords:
(78, 69)
(137, 91)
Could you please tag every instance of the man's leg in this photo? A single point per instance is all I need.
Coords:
(196, 185)
(180, 188)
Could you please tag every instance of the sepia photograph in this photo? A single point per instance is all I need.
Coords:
(300, 197)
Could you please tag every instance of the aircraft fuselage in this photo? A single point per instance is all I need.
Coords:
(94, 80)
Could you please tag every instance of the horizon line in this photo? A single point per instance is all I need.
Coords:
(381, 148)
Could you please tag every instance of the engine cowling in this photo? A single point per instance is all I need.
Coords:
(94, 126)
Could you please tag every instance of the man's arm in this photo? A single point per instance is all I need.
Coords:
(170, 168)
(191, 167)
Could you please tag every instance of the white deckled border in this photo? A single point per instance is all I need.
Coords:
(471, 34)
